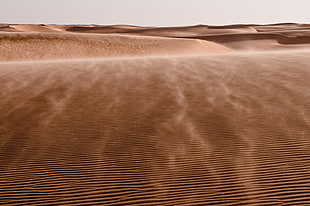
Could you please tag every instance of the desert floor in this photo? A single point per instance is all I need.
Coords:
(128, 115)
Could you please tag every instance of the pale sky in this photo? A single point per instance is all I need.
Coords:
(154, 12)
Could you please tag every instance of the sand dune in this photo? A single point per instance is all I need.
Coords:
(260, 41)
(7, 28)
(190, 31)
(20, 46)
(237, 37)
(120, 119)
(170, 131)
(137, 30)
(33, 28)
(102, 29)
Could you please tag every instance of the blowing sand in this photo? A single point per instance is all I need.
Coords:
(135, 118)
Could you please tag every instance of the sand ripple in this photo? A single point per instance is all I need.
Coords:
(201, 130)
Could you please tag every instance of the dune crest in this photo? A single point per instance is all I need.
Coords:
(248, 37)
(33, 28)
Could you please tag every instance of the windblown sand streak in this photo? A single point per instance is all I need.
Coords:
(226, 129)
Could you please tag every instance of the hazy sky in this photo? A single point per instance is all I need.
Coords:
(154, 12)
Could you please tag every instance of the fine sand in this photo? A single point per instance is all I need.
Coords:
(127, 115)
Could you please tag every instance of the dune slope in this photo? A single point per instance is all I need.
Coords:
(227, 129)
(40, 46)
(248, 37)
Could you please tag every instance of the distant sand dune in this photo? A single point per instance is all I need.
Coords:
(190, 31)
(33, 28)
(259, 41)
(237, 37)
(102, 29)
(281, 38)
(7, 28)
(22, 46)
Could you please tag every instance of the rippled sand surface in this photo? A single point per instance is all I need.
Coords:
(129, 119)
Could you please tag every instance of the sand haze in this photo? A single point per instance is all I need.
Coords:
(130, 115)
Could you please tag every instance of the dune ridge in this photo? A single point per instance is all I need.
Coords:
(32, 46)
(33, 28)
(259, 41)
(236, 37)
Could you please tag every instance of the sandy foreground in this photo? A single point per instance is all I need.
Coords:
(128, 115)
